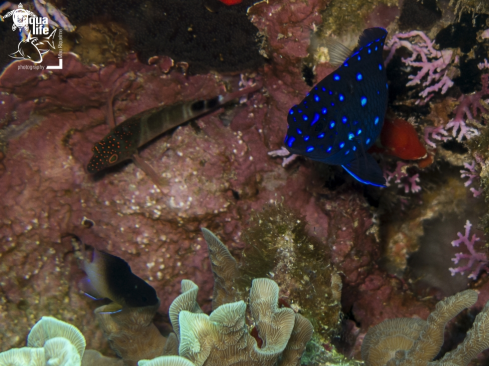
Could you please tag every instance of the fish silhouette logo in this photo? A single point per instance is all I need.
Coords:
(31, 48)
(34, 49)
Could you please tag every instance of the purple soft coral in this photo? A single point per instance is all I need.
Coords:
(473, 257)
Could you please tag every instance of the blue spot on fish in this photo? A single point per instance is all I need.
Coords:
(316, 118)
(357, 119)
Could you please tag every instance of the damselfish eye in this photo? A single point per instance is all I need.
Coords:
(113, 158)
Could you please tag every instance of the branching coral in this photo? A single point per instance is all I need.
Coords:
(434, 63)
(408, 341)
(478, 258)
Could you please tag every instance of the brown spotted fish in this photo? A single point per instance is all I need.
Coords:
(123, 141)
(111, 277)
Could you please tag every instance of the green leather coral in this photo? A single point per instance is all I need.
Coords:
(407, 342)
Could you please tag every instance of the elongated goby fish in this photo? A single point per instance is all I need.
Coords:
(123, 141)
(111, 277)
(342, 115)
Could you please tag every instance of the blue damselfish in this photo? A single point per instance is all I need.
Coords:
(342, 115)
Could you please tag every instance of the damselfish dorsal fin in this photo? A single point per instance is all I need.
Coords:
(370, 35)
(365, 169)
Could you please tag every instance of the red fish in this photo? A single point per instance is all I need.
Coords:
(231, 2)
(399, 138)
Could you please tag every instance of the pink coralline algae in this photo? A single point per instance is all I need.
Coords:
(433, 63)
(437, 133)
(474, 258)
(467, 110)
(402, 178)
(471, 173)
(467, 102)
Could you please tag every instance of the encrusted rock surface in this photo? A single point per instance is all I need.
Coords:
(46, 193)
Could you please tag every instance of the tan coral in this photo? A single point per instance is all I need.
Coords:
(225, 270)
(186, 301)
(224, 334)
(61, 352)
(50, 342)
(407, 342)
(166, 361)
(26, 356)
(49, 327)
